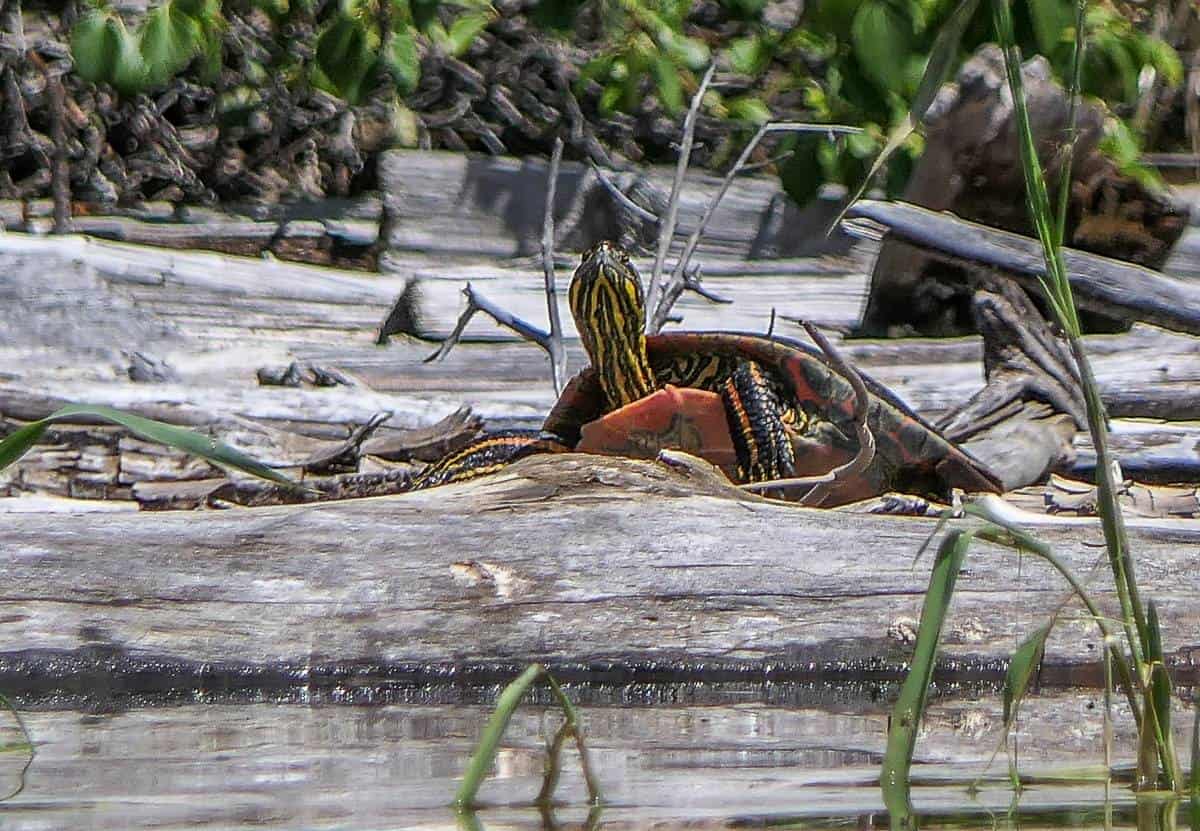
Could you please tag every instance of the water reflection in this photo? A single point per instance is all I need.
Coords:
(754, 764)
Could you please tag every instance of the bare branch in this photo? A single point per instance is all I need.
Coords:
(822, 486)
(476, 302)
(675, 289)
(552, 341)
(558, 357)
(620, 195)
(666, 230)
(689, 248)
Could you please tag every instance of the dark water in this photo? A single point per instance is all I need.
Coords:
(748, 764)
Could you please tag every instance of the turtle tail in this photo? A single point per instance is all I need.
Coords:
(487, 454)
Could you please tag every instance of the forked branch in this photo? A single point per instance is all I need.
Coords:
(476, 302)
(551, 341)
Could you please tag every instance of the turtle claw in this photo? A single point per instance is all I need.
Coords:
(896, 504)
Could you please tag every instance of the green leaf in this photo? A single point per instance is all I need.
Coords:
(835, 17)
(749, 108)
(883, 41)
(464, 31)
(914, 693)
(670, 91)
(403, 62)
(130, 74)
(95, 43)
(689, 52)
(748, 55)
(801, 174)
(1162, 56)
(17, 443)
(943, 56)
(211, 57)
(485, 752)
(342, 55)
(558, 15)
(745, 9)
(169, 39)
(610, 99)
(1051, 19)
(1022, 668)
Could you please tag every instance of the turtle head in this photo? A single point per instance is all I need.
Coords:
(610, 314)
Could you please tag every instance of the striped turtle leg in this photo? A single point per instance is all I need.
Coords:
(755, 416)
(487, 455)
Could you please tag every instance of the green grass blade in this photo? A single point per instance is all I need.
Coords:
(18, 443)
(1022, 668)
(1160, 699)
(910, 707)
(489, 742)
(1195, 789)
(572, 723)
(1001, 533)
(1148, 755)
(1073, 90)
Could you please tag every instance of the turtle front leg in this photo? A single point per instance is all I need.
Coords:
(756, 425)
(487, 455)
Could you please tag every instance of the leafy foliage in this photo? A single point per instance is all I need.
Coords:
(359, 43)
(166, 42)
(646, 40)
(874, 64)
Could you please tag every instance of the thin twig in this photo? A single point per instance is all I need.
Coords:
(558, 357)
(691, 282)
(553, 766)
(666, 230)
(622, 197)
(476, 302)
(753, 166)
(822, 486)
(661, 310)
(60, 173)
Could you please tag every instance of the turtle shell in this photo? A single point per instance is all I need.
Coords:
(911, 455)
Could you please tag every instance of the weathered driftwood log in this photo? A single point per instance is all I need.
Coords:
(455, 203)
(181, 336)
(1119, 290)
(972, 167)
(613, 570)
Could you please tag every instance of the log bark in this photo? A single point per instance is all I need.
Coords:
(1120, 290)
(613, 570)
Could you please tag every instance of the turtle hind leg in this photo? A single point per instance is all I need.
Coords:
(487, 454)
(755, 416)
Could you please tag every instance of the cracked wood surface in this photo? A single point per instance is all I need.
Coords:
(576, 559)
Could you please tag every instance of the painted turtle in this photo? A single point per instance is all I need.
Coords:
(787, 411)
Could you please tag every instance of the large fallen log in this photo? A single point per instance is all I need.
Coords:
(1119, 290)
(182, 336)
(615, 571)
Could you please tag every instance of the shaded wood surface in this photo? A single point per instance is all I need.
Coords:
(457, 203)
(606, 568)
